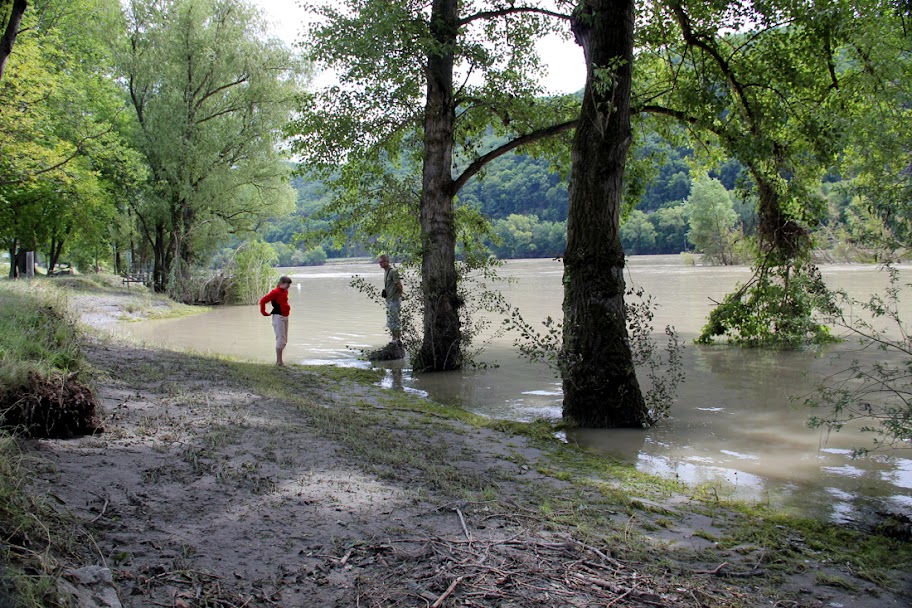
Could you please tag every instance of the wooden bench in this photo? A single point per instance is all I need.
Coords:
(140, 276)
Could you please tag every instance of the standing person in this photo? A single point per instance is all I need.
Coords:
(280, 311)
(392, 293)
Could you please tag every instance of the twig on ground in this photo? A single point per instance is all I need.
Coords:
(447, 593)
(462, 521)
(104, 508)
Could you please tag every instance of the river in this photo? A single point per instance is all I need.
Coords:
(735, 425)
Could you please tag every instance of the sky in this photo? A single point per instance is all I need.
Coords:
(566, 68)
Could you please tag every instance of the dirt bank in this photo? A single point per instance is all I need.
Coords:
(226, 483)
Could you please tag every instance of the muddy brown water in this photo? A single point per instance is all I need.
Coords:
(735, 426)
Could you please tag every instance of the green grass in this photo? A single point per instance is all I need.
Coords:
(37, 334)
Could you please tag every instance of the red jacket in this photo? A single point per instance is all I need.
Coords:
(279, 298)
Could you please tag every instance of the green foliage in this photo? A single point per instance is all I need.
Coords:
(517, 184)
(209, 134)
(252, 272)
(312, 257)
(777, 308)
(879, 115)
(64, 160)
(712, 221)
(524, 236)
(875, 394)
(671, 226)
(637, 233)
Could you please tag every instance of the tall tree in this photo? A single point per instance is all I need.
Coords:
(210, 93)
(599, 379)
(426, 85)
(773, 86)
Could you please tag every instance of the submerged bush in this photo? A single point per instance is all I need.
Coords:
(252, 271)
(779, 307)
(875, 394)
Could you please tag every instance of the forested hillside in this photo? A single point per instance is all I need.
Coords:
(525, 201)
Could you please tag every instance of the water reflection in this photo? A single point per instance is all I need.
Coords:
(735, 424)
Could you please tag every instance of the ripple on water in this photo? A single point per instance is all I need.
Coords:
(901, 475)
(845, 471)
(739, 455)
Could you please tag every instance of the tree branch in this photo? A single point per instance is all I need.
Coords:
(76, 153)
(480, 162)
(694, 40)
(218, 90)
(510, 11)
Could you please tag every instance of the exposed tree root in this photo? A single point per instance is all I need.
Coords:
(56, 407)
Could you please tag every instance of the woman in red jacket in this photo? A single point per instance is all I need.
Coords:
(280, 312)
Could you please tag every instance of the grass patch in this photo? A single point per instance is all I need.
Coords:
(335, 373)
(831, 580)
(37, 334)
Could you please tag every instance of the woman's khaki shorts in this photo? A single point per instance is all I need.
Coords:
(280, 326)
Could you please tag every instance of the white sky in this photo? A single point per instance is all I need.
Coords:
(566, 69)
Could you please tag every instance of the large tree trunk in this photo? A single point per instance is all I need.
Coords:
(12, 30)
(441, 349)
(599, 379)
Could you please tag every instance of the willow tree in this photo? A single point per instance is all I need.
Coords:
(210, 93)
(421, 85)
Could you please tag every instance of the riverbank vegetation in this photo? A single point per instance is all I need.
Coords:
(43, 392)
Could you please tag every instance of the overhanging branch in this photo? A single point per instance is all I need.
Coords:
(528, 138)
(510, 11)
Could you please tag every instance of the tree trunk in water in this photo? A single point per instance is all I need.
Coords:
(599, 380)
(780, 234)
(441, 348)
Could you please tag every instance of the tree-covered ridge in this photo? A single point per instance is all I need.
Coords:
(524, 199)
